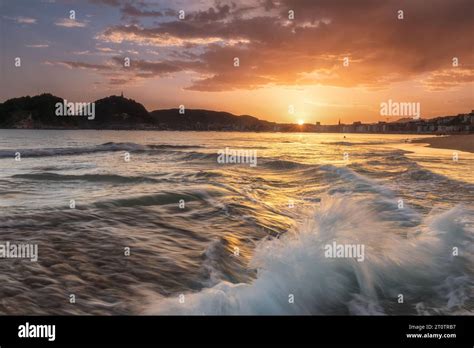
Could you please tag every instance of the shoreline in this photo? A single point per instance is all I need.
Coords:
(428, 135)
(463, 142)
(460, 142)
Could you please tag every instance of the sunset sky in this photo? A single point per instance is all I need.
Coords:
(283, 61)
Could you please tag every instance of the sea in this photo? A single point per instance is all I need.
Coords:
(161, 223)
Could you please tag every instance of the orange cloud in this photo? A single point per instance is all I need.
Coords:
(311, 48)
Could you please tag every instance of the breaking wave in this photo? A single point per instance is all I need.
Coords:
(415, 262)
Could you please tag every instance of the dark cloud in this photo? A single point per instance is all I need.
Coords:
(212, 14)
(133, 11)
(268, 5)
(147, 68)
(115, 72)
(310, 49)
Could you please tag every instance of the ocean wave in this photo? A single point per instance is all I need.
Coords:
(206, 174)
(419, 265)
(162, 198)
(193, 155)
(282, 164)
(168, 146)
(106, 147)
(65, 167)
(112, 178)
(353, 181)
(418, 173)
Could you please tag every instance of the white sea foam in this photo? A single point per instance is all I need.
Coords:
(418, 264)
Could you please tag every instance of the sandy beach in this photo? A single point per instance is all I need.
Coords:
(454, 142)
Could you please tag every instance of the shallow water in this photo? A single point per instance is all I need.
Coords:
(306, 191)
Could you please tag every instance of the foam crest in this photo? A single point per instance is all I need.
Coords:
(417, 263)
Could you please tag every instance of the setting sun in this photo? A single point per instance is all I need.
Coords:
(300, 122)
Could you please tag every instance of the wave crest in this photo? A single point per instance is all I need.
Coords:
(418, 264)
(106, 147)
